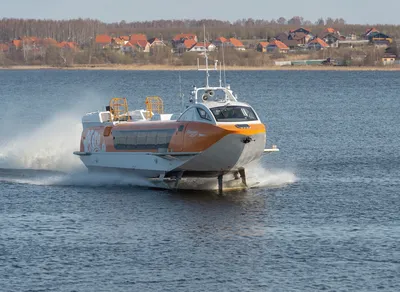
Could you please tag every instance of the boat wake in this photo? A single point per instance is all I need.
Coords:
(261, 179)
(78, 178)
(257, 177)
(270, 177)
(49, 147)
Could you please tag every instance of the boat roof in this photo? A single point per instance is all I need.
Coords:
(213, 104)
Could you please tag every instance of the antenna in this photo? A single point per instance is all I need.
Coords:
(223, 61)
(205, 54)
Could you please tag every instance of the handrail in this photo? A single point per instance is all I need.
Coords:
(119, 109)
(154, 104)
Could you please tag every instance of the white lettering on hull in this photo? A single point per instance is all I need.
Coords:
(94, 142)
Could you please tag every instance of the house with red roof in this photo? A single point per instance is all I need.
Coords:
(4, 48)
(229, 43)
(127, 48)
(277, 46)
(331, 36)
(186, 46)
(141, 46)
(16, 44)
(179, 39)
(119, 42)
(156, 42)
(220, 41)
(103, 40)
(262, 47)
(317, 44)
(72, 46)
(236, 44)
(32, 44)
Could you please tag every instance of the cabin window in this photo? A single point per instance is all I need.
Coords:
(233, 114)
(203, 114)
(151, 138)
(188, 115)
(162, 138)
(131, 139)
(174, 117)
(141, 140)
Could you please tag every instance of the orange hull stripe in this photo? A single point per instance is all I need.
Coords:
(195, 136)
(253, 130)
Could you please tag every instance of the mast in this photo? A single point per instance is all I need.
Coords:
(220, 73)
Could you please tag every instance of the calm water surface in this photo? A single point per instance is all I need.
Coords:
(324, 217)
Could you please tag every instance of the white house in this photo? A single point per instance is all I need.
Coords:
(201, 47)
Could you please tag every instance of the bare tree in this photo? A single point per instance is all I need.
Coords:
(281, 20)
(320, 22)
(296, 20)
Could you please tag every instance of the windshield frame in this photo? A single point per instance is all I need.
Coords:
(223, 110)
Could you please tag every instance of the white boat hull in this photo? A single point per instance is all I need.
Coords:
(227, 155)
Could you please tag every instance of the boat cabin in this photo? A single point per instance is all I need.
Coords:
(217, 104)
(219, 113)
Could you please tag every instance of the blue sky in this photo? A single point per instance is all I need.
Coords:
(353, 11)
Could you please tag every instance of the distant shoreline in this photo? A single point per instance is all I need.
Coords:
(120, 67)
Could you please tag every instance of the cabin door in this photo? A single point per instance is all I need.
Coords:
(179, 138)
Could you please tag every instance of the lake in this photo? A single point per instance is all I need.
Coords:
(325, 215)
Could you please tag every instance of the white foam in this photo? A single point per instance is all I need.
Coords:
(264, 177)
(256, 175)
(80, 178)
(48, 147)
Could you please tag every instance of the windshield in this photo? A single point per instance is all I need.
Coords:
(233, 114)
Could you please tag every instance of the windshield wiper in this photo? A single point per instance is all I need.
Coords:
(224, 109)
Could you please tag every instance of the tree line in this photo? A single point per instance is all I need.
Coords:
(57, 57)
(83, 30)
